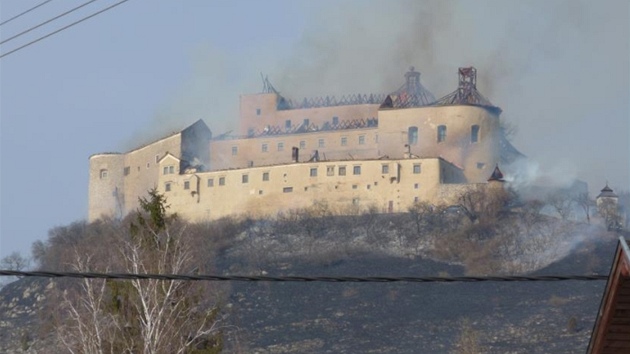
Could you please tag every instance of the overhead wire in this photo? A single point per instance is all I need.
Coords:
(62, 28)
(299, 279)
(25, 12)
(47, 21)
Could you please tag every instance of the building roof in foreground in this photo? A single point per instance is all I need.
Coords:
(611, 334)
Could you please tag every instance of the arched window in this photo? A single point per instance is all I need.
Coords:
(441, 133)
(474, 133)
(412, 136)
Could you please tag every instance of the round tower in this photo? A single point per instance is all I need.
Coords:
(106, 186)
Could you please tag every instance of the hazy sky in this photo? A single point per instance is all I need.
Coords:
(560, 70)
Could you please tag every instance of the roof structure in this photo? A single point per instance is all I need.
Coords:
(411, 94)
(611, 334)
(466, 93)
(607, 192)
(497, 175)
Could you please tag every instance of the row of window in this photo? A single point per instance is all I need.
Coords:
(412, 134)
(321, 143)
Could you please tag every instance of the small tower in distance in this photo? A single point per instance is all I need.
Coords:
(608, 207)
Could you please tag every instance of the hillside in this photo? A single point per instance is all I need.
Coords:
(524, 317)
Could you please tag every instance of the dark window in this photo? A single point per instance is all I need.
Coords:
(104, 174)
(280, 146)
(416, 168)
(302, 144)
(335, 120)
(265, 148)
(245, 178)
(385, 169)
(481, 165)
(361, 139)
(210, 182)
(416, 186)
(330, 170)
(234, 150)
(127, 170)
(287, 124)
(344, 141)
(306, 122)
(474, 133)
(257, 111)
(265, 176)
(441, 133)
(287, 189)
(342, 170)
(167, 187)
(356, 170)
(412, 136)
(222, 181)
(321, 143)
(165, 170)
(187, 185)
(314, 172)
(171, 169)
(355, 186)
(157, 158)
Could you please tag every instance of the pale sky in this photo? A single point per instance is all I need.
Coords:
(560, 70)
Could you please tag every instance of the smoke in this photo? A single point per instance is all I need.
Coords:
(558, 69)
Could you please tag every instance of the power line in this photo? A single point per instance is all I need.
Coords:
(48, 21)
(300, 279)
(25, 12)
(63, 28)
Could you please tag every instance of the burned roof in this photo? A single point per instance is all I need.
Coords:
(467, 93)
(497, 175)
(410, 94)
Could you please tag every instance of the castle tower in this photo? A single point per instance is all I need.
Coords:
(608, 208)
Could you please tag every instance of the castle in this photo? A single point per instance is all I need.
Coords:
(359, 151)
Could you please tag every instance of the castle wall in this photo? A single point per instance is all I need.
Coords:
(266, 191)
(476, 158)
(260, 110)
(276, 149)
(106, 186)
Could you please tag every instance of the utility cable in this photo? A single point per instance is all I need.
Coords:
(25, 12)
(48, 21)
(63, 28)
(300, 279)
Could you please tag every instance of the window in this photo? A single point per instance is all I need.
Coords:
(376, 138)
(222, 181)
(314, 172)
(302, 144)
(356, 170)
(265, 147)
(412, 136)
(210, 182)
(280, 146)
(480, 165)
(416, 186)
(330, 170)
(157, 158)
(171, 169)
(127, 171)
(416, 168)
(306, 122)
(355, 201)
(187, 185)
(148, 165)
(287, 124)
(474, 133)
(415, 199)
(361, 139)
(344, 141)
(265, 176)
(335, 120)
(385, 169)
(287, 189)
(165, 171)
(441, 133)
(167, 187)
(355, 186)
(321, 143)
(257, 111)
(103, 174)
(245, 178)
(234, 150)
(342, 170)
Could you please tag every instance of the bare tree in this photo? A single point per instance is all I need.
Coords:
(562, 202)
(584, 201)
